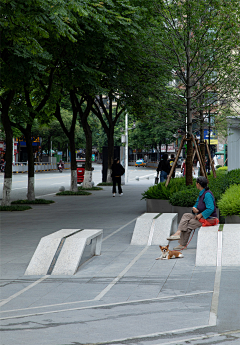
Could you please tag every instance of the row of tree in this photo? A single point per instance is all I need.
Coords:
(158, 60)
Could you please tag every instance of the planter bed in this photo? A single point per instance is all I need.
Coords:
(163, 206)
(158, 206)
(235, 219)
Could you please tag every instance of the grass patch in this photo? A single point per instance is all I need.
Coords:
(36, 201)
(105, 184)
(93, 188)
(68, 192)
(15, 208)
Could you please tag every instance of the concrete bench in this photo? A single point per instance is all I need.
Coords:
(231, 245)
(218, 248)
(154, 228)
(72, 251)
(61, 251)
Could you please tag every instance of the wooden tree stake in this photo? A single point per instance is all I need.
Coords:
(175, 161)
(199, 158)
(210, 159)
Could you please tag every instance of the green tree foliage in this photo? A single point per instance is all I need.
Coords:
(25, 29)
(197, 39)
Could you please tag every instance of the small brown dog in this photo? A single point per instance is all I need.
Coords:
(169, 254)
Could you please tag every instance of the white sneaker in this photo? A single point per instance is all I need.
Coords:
(113, 194)
(121, 194)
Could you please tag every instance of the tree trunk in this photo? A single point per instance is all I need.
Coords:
(73, 186)
(87, 182)
(70, 135)
(189, 141)
(110, 137)
(202, 145)
(49, 148)
(7, 185)
(31, 189)
(189, 116)
(202, 152)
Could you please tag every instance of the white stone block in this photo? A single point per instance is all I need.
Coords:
(207, 246)
(45, 252)
(154, 228)
(142, 229)
(231, 245)
(73, 248)
(164, 226)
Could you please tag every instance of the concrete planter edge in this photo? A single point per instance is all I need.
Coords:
(158, 206)
(234, 219)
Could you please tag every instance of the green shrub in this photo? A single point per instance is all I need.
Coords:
(217, 185)
(229, 204)
(36, 201)
(15, 208)
(159, 191)
(105, 184)
(184, 198)
(92, 188)
(223, 181)
(222, 168)
(69, 192)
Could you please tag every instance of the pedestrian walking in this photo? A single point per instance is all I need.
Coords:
(183, 167)
(198, 168)
(203, 214)
(164, 167)
(117, 171)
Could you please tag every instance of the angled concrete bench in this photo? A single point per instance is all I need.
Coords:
(216, 247)
(61, 251)
(154, 228)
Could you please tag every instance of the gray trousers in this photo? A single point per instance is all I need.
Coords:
(186, 225)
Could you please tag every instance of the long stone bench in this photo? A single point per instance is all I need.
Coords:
(61, 252)
(154, 228)
(216, 247)
(231, 245)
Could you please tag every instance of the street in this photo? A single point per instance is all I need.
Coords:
(124, 295)
(48, 183)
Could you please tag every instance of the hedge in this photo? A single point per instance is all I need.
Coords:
(223, 181)
(159, 191)
(92, 188)
(15, 208)
(229, 204)
(184, 198)
(222, 169)
(186, 194)
(69, 192)
(36, 201)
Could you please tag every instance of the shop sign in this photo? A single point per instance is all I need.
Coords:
(170, 148)
(213, 137)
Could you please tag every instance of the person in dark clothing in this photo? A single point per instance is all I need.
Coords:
(164, 167)
(204, 209)
(117, 171)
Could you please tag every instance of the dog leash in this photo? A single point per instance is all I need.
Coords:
(188, 241)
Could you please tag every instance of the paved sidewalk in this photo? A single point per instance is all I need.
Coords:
(123, 296)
